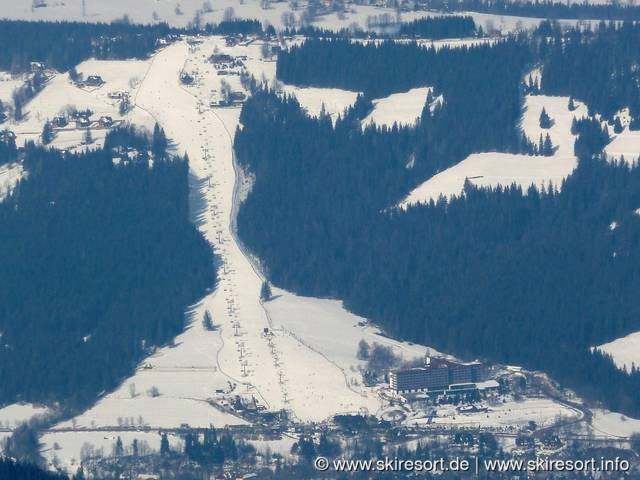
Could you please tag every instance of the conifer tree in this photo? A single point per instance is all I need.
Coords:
(265, 291)
(164, 445)
(47, 133)
(617, 125)
(545, 120)
(548, 146)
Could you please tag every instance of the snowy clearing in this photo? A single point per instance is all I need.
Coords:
(492, 168)
(625, 351)
(402, 108)
(334, 100)
(10, 175)
(626, 144)
(7, 85)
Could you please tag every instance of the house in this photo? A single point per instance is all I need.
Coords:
(60, 121)
(106, 121)
(221, 58)
(94, 81)
(3, 117)
(36, 67)
(83, 122)
(237, 97)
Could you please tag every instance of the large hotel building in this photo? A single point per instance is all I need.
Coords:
(437, 374)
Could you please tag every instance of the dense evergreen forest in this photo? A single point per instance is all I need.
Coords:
(11, 470)
(98, 265)
(599, 67)
(542, 9)
(532, 280)
(433, 28)
(8, 151)
(439, 27)
(62, 45)
(241, 27)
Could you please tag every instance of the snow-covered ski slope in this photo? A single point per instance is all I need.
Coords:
(490, 169)
(325, 327)
(269, 355)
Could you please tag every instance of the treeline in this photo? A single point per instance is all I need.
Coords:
(481, 86)
(99, 263)
(439, 27)
(238, 27)
(433, 28)
(542, 9)
(62, 45)
(598, 67)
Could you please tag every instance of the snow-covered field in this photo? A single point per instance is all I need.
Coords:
(7, 85)
(402, 108)
(502, 416)
(613, 424)
(18, 413)
(67, 449)
(625, 351)
(13, 416)
(490, 169)
(9, 175)
(185, 12)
